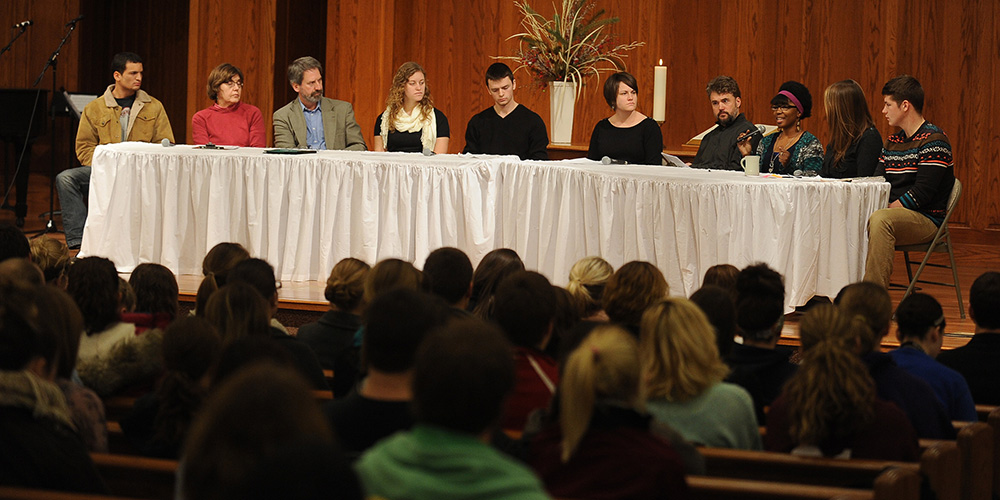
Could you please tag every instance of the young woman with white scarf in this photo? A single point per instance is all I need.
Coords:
(410, 123)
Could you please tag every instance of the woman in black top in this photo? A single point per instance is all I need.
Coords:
(410, 123)
(627, 136)
(855, 145)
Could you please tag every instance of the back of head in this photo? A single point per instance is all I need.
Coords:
(389, 274)
(449, 273)
(984, 301)
(236, 311)
(254, 414)
(395, 325)
(918, 313)
(524, 307)
(22, 269)
(155, 289)
(847, 115)
(191, 346)
(64, 323)
(51, 255)
(717, 304)
(13, 243)
(126, 296)
(20, 336)
(587, 279)
(828, 323)
(345, 288)
(678, 350)
(216, 265)
(247, 351)
(605, 367)
(905, 88)
(871, 302)
(567, 316)
(93, 284)
(462, 376)
(631, 290)
(760, 302)
(495, 266)
(258, 274)
(723, 276)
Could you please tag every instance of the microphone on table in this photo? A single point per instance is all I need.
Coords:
(759, 129)
(607, 160)
(166, 143)
(428, 152)
(23, 24)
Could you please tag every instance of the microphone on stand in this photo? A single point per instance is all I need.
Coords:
(74, 21)
(607, 160)
(24, 24)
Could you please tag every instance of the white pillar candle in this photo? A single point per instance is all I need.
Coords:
(660, 92)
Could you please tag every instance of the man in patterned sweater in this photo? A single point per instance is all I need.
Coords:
(917, 163)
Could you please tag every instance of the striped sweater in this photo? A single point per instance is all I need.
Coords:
(920, 170)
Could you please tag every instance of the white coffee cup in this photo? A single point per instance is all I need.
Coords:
(751, 165)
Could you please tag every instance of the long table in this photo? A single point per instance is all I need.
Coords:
(303, 213)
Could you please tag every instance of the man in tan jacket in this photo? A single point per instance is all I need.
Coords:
(123, 113)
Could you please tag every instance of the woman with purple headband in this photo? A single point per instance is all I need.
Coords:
(790, 150)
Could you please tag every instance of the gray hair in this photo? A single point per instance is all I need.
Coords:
(301, 65)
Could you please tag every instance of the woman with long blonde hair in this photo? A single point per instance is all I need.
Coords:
(410, 122)
(684, 378)
(602, 445)
(829, 407)
(587, 279)
(855, 144)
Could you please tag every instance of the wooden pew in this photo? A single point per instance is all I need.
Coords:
(138, 477)
(976, 444)
(993, 420)
(891, 484)
(117, 407)
(18, 493)
(940, 463)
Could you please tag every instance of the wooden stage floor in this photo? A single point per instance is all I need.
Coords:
(307, 301)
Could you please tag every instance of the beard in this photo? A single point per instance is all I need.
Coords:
(730, 118)
(314, 97)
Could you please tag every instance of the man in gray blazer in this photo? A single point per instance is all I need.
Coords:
(313, 121)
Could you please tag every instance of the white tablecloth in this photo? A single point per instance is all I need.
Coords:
(303, 213)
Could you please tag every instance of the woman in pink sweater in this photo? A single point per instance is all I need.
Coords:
(228, 122)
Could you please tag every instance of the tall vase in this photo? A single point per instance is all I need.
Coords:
(562, 100)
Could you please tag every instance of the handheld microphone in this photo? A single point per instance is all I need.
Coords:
(74, 21)
(166, 143)
(428, 152)
(24, 24)
(607, 160)
(759, 129)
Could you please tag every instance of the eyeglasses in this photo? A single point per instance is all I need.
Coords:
(786, 108)
(234, 83)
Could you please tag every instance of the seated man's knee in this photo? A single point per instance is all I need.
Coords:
(880, 220)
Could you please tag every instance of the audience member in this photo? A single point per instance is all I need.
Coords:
(332, 337)
(602, 445)
(126, 297)
(461, 376)
(717, 304)
(393, 273)
(228, 121)
(718, 149)
(13, 243)
(567, 316)
(22, 269)
(977, 360)
(93, 284)
(912, 395)
(587, 279)
(60, 320)
(506, 128)
(157, 424)
(449, 275)
(410, 122)
(396, 323)
(261, 435)
(627, 136)
(829, 407)
(40, 448)
(917, 162)
(758, 364)
(631, 290)
(495, 266)
(920, 331)
(52, 256)
(723, 276)
(684, 374)
(311, 120)
(215, 267)
(156, 294)
(525, 309)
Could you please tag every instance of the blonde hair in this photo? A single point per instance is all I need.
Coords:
(586, 283)
(604, 367)
(871, 302)
(51, 256)
(397, 92)
(345, 288)
(847, 115)
(680, 358)
(827, 323)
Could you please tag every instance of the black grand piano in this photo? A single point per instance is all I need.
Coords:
(17, 106)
